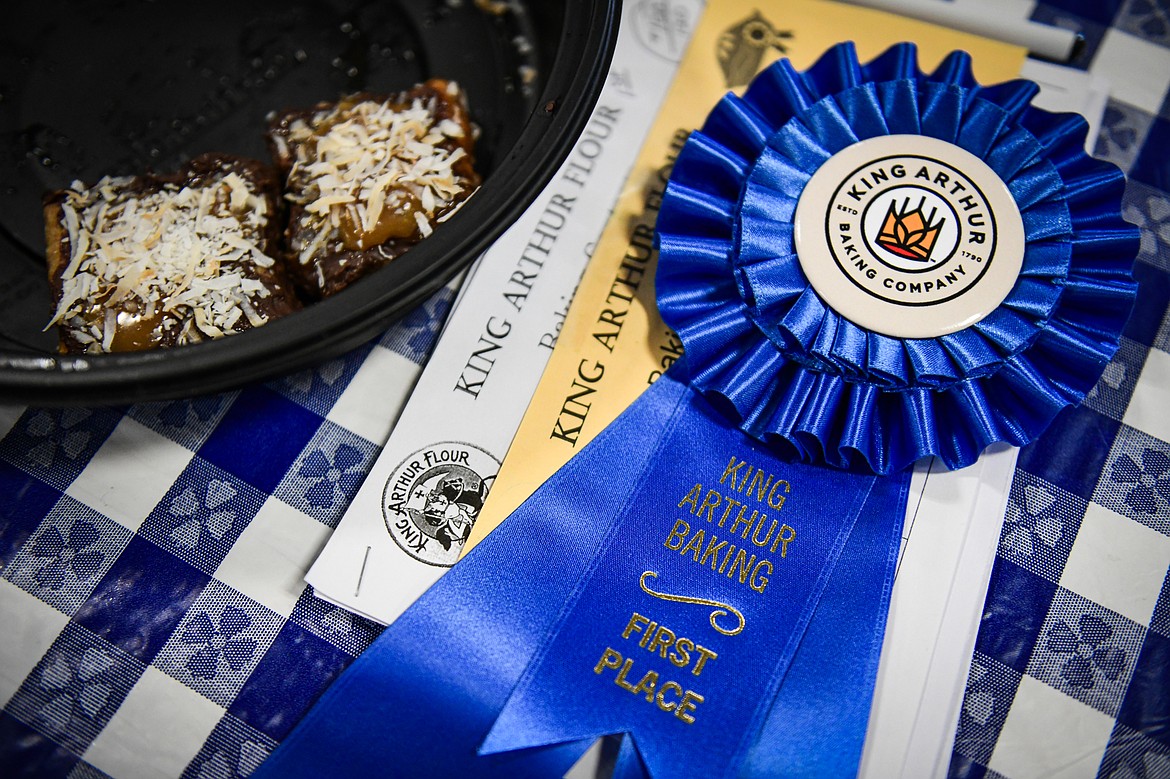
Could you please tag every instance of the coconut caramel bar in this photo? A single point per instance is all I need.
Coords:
(138, 262)
(369, 176)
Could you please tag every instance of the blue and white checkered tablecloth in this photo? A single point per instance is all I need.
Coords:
(154, 623)
(154, 618)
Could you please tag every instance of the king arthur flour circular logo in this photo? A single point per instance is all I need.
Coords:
(909, 236)
(433, 498)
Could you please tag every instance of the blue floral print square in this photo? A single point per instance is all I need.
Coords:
(202, 515)
(75, 689)
(327, 476)
(1149, 209)
(1123, 128)
(56, 444)
(1040, 524)
(1147, 19)
(218, 643)
(340, 627)
(415, 334)
(1112, 392)
(991, 687)
(68, 555)
(1086, 651)
(1136, 479)
(232, 751)
(319, 387)
(186, 421)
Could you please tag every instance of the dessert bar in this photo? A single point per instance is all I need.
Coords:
(160, 260)
(367, 177)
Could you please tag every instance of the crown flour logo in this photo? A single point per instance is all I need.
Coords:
(910, 233)
(920, 228)
(433, 498)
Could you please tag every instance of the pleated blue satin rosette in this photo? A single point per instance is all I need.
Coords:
(868, 265)
(795, 372)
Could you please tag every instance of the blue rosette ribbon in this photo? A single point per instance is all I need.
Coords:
(710, 576)
(790, 370)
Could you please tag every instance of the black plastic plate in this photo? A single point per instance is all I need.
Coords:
(89, 89)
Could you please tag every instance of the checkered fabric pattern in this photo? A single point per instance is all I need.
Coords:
(1071, 671)
(155, 620)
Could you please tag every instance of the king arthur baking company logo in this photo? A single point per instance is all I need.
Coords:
(908, 235)
(433, 498)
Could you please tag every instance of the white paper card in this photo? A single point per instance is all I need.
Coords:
(408, 521)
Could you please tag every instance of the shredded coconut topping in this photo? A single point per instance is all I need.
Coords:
(373, 170)
(175, 256)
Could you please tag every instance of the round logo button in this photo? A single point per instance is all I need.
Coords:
(433, 498)
(909, 236)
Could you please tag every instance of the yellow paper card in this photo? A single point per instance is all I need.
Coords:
(613, 344)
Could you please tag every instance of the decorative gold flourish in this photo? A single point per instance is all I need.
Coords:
(721, 609)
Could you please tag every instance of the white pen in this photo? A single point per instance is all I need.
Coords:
(1042, 40)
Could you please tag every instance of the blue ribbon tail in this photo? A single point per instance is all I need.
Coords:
(508, 665)
(685, 623)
